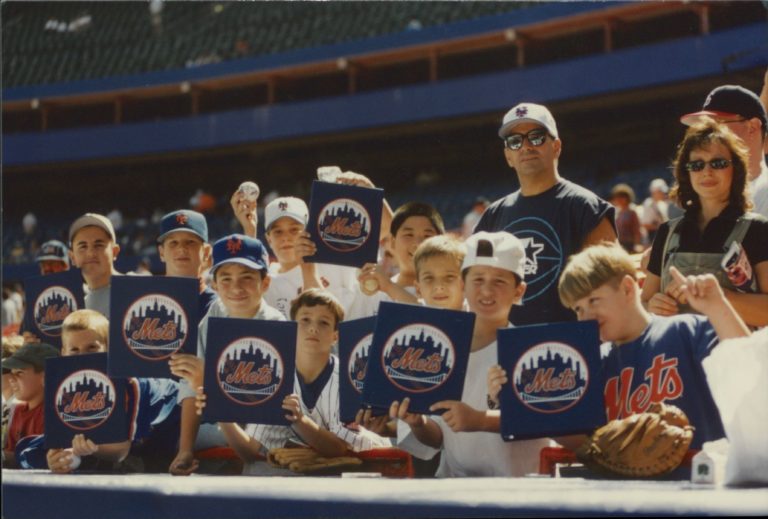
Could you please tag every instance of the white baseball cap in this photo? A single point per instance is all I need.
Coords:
(528, 113)
(95, 220)
(659, 184)
(495, 249)
(289, 206)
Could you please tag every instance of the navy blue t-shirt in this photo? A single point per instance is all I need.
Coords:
(552, 226)
(664, 365)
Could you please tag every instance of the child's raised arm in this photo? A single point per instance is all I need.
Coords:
(705, 295)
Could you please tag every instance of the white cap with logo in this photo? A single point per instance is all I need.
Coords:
(289, 206)
(94, 220)
(528, 113)
(495, 249)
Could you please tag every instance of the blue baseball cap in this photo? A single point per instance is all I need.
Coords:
(184, 220)
(53, 250)
(242, 249)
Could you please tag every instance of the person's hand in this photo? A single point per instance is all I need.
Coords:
(82, 446)
(184, 464)
(702, 292)
(188, 367)
(354, 179)
(496, 378)
(459, 416)
(60, 460)
(305, 246)
(200, 400)
(399, 410)
(292, 404)
(372, 274)
(675, 291)
(245, 212)
(375, 424)
(662, 304)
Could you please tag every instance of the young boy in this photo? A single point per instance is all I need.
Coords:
(313, 408)
(651, 358)
(27, 366)
(285, 222)
(412, 223)
(155, 419)
(438, 272)
(493, 270)
(94, 249)
(240, 279)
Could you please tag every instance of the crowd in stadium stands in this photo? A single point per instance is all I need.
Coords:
(503, 262)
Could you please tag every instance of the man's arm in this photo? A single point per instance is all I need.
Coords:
(604, 231)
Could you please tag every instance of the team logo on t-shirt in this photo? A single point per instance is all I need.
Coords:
(550, 377)
(418, 358)
(344, 225)
(543, 254)
(52, 306)
(85, 399)
(358, 362)
(250, 371)
(155, 327)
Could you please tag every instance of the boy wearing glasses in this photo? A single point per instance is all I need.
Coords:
(552, 217)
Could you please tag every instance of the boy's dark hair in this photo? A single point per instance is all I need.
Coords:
(318, 297)
(409, 209)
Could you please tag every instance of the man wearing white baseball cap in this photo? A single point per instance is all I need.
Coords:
(94, 249)
(493, 271)
(553, 217)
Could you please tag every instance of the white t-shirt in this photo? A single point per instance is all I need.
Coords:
(471, 454)
(759, 188)
(325, 414)
(286, 286)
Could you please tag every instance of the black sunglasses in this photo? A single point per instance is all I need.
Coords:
(535, 137)
(699, 165)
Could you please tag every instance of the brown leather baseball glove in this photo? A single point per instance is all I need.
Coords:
(642, 445)
(308, 461)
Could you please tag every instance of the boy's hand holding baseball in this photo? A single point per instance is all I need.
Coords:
(245, 212)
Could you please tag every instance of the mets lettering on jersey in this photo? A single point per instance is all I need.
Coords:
(661, 382)
(83, 400)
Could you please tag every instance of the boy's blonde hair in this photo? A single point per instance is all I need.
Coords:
(11, 343)
(592, 268)
(81, 320)
(317, 296)
(440, 245)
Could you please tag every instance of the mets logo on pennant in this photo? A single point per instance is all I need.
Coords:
(155, 327)
(85, 399)
(250, 371)
(418, 358)
(52, 306)
(550, 377)
(344, 225)
(358, 362)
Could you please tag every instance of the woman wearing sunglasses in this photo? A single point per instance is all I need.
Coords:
(717, 234)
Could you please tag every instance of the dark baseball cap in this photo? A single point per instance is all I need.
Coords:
(31, 355)
(238, 248)
(184, 220)
(730, 101)
(53, 250)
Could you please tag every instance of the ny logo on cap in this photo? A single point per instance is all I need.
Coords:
(283, 206)
(521, 112)
(182, 219)
(234, 245)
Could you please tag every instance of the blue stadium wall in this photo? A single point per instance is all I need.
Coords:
(669, 62)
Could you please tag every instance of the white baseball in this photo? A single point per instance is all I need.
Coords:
(250, 190)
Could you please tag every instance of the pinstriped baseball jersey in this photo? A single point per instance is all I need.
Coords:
(325, 414)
